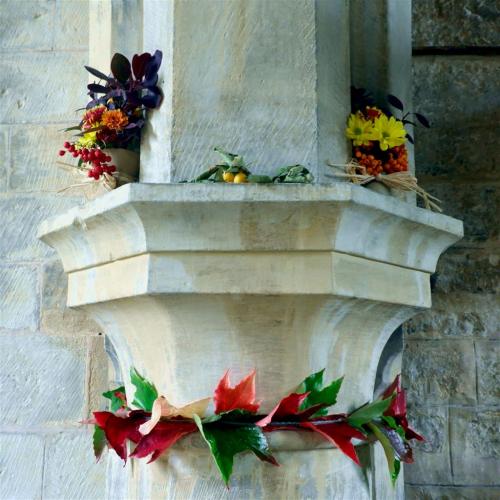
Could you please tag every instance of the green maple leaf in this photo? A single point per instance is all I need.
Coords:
(369, 412)
(145, 391)
(116, 402)
(317, 393)
(393, 463)
(226, 442)
(98, 442)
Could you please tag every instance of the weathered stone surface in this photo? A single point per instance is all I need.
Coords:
(457, 92)
(27, 25)
(456, 23)
(478, 206)
(70, 468)
(56, 318)
(432, 457)
(31, 94)
(414, 492)
(457, 315)
(462, 270)
(4, 157)
(45, 376)
(97, 374)
(430, 371)
(470, 152)
(19, 302)
(488, 371)
(72, 21)
(475, 447)
(21, 217)
(34, 168)
(21, 466)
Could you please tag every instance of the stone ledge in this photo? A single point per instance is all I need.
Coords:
(140, 218)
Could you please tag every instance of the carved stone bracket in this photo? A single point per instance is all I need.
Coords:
(189, 280)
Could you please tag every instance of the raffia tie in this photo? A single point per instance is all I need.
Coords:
(403, 181)
(108, 181)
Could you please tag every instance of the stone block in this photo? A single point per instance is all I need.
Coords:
(21, 466)
(45, 377)
(19, 303)
(430, 371)
(432, 457)
(462, 270)
(464, 153)
(488, 371)
(455, 23)
(72, 20)
(458, 91)
(475, 447)
(457, 315)
(35, 168)
(42, 87)
(28, 24)
(70, 469)
(56, 318)
(4, 157)
(417, 492)
(476, 204)
(21, 218)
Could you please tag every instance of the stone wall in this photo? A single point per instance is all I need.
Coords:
(49, 356)
(452, 352)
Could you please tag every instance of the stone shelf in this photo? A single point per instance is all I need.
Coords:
(188, 280)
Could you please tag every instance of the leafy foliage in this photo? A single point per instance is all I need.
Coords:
(145, 391)
(236, 428)
(226, 442)
(117, 397)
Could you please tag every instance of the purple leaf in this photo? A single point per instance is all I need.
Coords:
(423, 120)
(120, 67)
(394, 101)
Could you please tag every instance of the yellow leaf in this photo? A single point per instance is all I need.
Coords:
(162, 408)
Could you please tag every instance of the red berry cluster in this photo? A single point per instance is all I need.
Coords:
(94, 156)
(397, 161)
(379, 162)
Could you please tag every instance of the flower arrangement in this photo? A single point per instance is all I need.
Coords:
(236, 427)
(233, 170)
(115, 115)
(379, 151)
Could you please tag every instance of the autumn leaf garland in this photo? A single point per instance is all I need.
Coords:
(235, 427)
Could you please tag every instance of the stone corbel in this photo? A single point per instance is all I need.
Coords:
(189, 280)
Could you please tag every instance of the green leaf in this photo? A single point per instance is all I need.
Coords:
(116, 402)
(226, 442)
(392, 462)
(145, 391)
(317, 394)
(312, 383)
(391, 422)
(369, 412)
(99, 442)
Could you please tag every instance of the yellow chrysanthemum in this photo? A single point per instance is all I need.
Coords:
(389, 132)
(359, 130)
(87, 140)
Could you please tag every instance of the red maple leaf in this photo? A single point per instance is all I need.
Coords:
(340, 434)
(119, 429)
(289, 405)
(397, 410)
(162, 437)
(240, 397)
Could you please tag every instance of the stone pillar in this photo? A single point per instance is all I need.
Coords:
(267, 79)
(188, 280)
